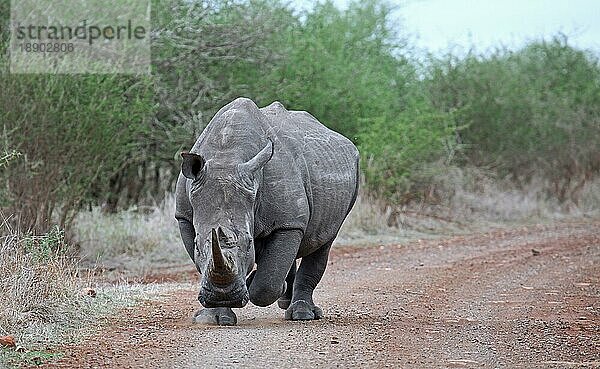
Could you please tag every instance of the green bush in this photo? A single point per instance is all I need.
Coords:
(397, 153)
(74, 133)
(203, 54)
(207, 54)
(112, 139)
(343, 66)
(529, 113)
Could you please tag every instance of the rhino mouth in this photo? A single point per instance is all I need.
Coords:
(233, 296)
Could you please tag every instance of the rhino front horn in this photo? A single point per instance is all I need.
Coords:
(221, 271)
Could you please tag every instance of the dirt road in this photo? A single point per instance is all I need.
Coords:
(523, 298)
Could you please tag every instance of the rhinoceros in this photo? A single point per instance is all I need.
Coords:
(261, 188)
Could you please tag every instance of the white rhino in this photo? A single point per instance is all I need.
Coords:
(265, 186)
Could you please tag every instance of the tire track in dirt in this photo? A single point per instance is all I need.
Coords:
(483, 300)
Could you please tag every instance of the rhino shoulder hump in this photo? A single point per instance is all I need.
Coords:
(243, 103)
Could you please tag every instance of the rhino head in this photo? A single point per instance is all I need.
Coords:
(223, 196)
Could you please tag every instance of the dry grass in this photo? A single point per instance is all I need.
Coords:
(474, 196)
(464, 200)
(590, 199)
(368, 216)
(467, 200)
(134, 240)
(137, 241)
(43, 299)
(372, 221)
(39, 288)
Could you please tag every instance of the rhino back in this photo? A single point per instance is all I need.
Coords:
(328, 165)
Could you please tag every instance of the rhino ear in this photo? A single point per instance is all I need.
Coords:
(192, 165)
(260, 159)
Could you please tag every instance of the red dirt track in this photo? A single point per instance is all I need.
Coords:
(521, 298)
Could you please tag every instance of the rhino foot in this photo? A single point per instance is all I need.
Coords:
(303, 310)
(286, 299)
(284, 302)
(215, 316)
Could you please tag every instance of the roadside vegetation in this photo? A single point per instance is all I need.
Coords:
(521, 119)
(47, 298)
(90, 161)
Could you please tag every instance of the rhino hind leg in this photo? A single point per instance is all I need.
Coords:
(285, 300)
(215, 316)
(308, 276)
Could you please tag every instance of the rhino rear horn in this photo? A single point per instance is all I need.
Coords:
(192, 164)
(260, 159)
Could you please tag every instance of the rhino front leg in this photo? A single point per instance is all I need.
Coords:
(308, 276)
(188, 234)
(215, 316)
(273, 263)
(285, 300)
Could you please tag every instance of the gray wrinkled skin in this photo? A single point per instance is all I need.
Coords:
(265, 186)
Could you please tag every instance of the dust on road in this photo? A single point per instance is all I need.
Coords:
(527, 298)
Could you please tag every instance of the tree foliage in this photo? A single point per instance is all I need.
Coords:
(114, 139)
(74, 133)
(531, 112)
(343, 66)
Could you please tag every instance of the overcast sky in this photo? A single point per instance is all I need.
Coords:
(437, 24)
